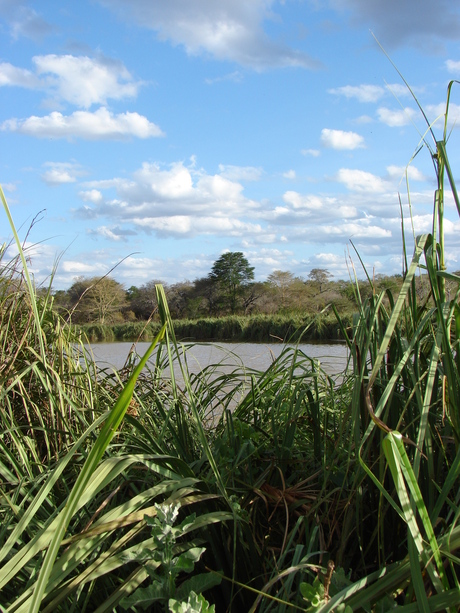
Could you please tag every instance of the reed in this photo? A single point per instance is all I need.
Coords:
(236, 328)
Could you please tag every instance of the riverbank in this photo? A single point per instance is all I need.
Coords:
(235, 328)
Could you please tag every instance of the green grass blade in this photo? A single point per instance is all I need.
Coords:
(111, 425)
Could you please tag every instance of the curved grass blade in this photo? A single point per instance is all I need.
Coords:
(111, 425)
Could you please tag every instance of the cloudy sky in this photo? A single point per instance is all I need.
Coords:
(153, 136)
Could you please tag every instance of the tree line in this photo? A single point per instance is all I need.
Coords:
(228, 289)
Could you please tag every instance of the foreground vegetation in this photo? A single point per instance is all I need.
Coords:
(249, 491)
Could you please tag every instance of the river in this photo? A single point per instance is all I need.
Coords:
(258, 356)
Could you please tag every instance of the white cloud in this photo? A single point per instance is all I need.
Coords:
(113, 234)
(338, 139)
(100, 125)
(226, 30)
(183, 225)
(312, 208)
(372, 93)
(399, 89)
(363, 119)
(240, 173)
(356, 230)
(82, 81)
(453, 66)
(298, 201)
(363, 93)
(12, 76)
(57, 177)
(399, 172)
(61, 172)
(360, 180)
(80, 268)
(92, 195)
(313, 152)
(396, 118)
(174, 201)
(436, 112)
(289, 174)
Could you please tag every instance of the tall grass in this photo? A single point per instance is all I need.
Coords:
(309, 493)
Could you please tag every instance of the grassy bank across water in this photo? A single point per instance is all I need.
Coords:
(252, 328)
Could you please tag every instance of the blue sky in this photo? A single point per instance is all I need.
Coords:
(152, 136)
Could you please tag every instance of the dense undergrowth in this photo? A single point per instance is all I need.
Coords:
(237, 328)
(265, 491)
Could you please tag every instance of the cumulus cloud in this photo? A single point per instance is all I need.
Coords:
(187, 225)
(360, 180)
(12, 76)
(338, 139)
(372, 93)
(299, 201)
(289, 174)
(135, 269)
(362, 229)
(100, 125)
(363, 93)
(61, 172)
(174, 201)
(85, 81)
(79, 80)
(330, 261)
(399, 172)
(240, 173)
(453, 66)
(313, 152)
(301, 207)
(396, 118)
(436, 112)
(421, 23)
(91, 195)
(81, 268)
(363, 119)
(113, 234)
(226, 30)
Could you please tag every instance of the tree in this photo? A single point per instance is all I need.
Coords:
(98, 300)
(231, 272)
(288, 290)
(320, 276)
(143, 300)
(203, 300)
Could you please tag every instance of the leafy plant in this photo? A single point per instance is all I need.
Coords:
(321, 590)
(196, 603)
(166, 560)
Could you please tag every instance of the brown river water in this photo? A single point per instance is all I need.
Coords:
(257, 356)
